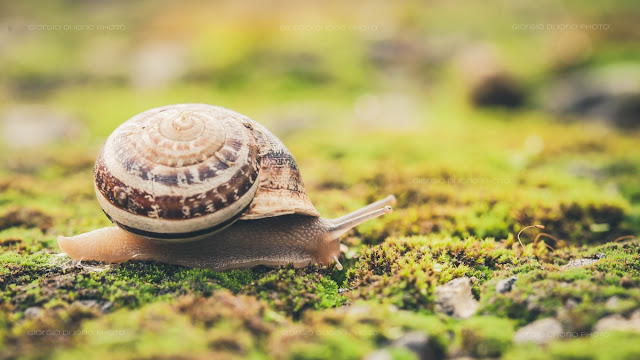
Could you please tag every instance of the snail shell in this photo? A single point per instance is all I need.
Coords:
(203, 186)
(182, 172)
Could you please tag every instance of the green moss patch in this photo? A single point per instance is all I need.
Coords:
(578, 295)
(405, 271)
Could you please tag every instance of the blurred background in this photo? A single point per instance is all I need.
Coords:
(407, 97)
(76, 69)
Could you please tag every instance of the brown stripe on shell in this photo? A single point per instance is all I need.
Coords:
(184, 235)
(141, 167)
(143, 203)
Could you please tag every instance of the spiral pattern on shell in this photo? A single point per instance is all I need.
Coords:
(178, 172)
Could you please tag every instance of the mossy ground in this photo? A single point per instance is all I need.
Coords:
(467, 181)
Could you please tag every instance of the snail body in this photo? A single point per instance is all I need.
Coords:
(203, 186)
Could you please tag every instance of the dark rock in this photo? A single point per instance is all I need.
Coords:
(490, 83)
(611, 94)
(532, 302)
(506, 285)
(626, 282)
(420, 344)
(498, 90)
(455, 299)
(417, 342)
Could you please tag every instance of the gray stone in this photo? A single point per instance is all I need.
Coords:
(539, 332)
(610, 93)
(87, 303)
(570, 303)
(578, 263)
(506, 285)
(619, 323)
(102, 306)
(379, 355)
(455, 299)
(612, 303)
(30, 126)
(33, 312)
(106, 306)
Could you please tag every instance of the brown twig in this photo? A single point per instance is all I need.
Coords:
(520, 241)
(625, 237)
(535, 241)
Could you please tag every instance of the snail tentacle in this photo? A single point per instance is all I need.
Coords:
(389, 200)
(354, 219)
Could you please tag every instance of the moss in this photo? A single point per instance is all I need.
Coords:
(595, 346)
(294, 291)
(353, 332)
(238, 326)
(54, 327)
(546, 292)
(405, 271)
(574, 221)
(222, 325)
(41, 281)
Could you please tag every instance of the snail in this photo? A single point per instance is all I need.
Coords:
(203, 186)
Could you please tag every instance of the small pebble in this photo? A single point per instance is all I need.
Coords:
(33, 312)
(612, 303)
(570, 303)
(379, 355)
(455, 299)
(578, 263)
(506, 285)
